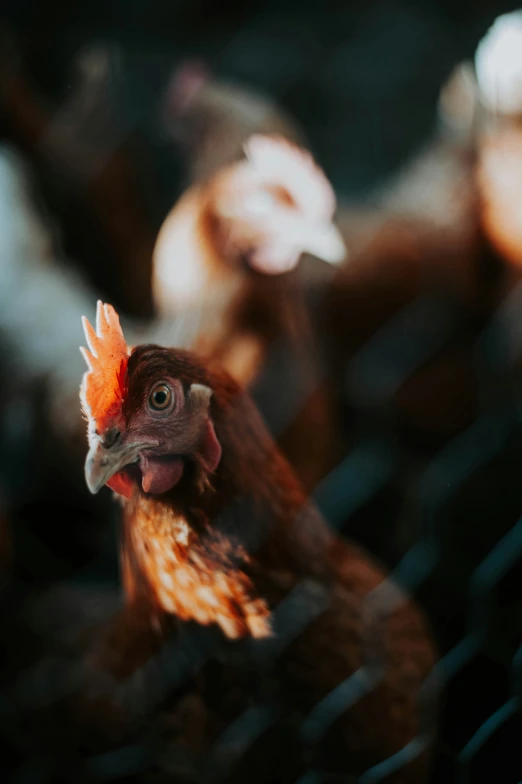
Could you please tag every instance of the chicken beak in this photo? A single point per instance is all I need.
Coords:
(103, 462)
(323, 240)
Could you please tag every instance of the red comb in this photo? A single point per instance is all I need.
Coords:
(101, 391)
(280, 160)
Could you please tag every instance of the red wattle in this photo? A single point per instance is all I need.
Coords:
(121, 484)
(159, 475)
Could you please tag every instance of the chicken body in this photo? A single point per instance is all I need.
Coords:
(225, 539)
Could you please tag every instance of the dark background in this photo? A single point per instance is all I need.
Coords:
(363, 81)
(362, 78)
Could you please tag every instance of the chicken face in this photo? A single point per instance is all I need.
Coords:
(155, 420)
(275, 206)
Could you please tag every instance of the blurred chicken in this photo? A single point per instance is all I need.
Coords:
(434, 252)
(212, 119)
(218, 533)
(467, 178)
(85, 152)
(224, 267)
(498, 64)
(256, 216)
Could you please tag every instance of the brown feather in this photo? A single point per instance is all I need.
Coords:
(233, 553)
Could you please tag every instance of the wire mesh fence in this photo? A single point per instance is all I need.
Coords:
(454, 542)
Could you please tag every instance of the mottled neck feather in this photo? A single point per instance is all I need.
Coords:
(216, 553)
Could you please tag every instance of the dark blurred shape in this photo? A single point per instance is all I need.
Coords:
(84, 152)
(213, 118)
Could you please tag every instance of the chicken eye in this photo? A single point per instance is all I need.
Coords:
(160, 397)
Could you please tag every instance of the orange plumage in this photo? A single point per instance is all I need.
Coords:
(195, 581)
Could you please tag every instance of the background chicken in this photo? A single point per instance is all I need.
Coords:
(498, 63)
(223, 267)
(217, 531)
(442, 233)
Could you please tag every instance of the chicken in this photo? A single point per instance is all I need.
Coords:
(223, 266)
(470, 176)
(257, 215)
(433, 255)
(217, 533)
(498, 66)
